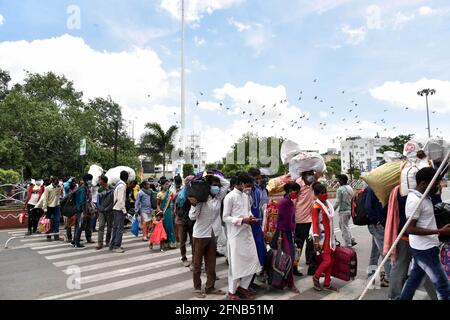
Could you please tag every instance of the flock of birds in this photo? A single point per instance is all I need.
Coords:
(268, 115)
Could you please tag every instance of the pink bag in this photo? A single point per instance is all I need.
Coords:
(445, 258)
(23, 217)
(44, 225)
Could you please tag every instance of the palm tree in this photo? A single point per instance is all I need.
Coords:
(158, 144)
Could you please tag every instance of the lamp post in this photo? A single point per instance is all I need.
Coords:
(426, 92)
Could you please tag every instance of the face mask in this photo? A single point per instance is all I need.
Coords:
(310, 179)
(89, 183)
(215, 190)
(39, 182)
(248, 191)
(322, 197)
(293, 195)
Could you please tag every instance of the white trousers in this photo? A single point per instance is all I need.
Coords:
(242, 282)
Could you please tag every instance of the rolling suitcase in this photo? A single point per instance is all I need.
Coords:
(345, 263)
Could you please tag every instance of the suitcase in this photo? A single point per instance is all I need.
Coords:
(345, 263)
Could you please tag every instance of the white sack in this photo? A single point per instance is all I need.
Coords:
(96, 172)
(113, 174)
(390, 156)
(289, 149)
(306, 161)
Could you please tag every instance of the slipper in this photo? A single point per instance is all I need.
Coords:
(200, 294)
(233, 297)
(331, 288)
(316, 284)
(216, 292)
(245, 293)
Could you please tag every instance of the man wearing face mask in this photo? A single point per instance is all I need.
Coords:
(206, 229)
(303, 206)
(423, 239)
(50, 201)
(242, 255)
(35, 191)
(83, 201)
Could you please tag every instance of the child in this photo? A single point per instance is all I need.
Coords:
(158, 234)
(324, 241)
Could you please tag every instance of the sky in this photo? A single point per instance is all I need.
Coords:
(314, 72)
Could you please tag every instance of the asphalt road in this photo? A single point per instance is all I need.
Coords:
(36, 269)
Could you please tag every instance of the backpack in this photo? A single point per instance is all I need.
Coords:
(360, 215)
(278, 265)
(270, 225)
(68, 205)
(442, 215)
(198, 189)
(106, 201)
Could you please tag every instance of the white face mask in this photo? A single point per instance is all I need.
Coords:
(247, 191)
(39, 182)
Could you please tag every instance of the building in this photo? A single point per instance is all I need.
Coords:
(331, 154)
(362, 153)
(193, 154)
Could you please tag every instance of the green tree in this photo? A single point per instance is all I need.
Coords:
(5, 78)
(398, 143)
(188, 169)
(333, 167)
(157, 144)
(43, 121)
(9, 176)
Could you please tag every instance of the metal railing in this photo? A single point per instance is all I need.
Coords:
(12, 194)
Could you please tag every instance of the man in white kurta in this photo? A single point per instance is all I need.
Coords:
(241, 249)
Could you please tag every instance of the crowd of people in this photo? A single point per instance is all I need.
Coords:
(231, 222)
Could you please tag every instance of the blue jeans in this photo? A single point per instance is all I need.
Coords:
(377, 231)
(426, 262)
(117, 230)
(54, 213)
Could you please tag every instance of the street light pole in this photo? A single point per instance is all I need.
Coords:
(426, 92)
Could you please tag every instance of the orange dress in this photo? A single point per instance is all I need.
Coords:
(158, 234)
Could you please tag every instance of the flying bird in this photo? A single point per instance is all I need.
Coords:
(343, 91)
(201, 93)
(315, 98)
(198, 103)
(249, 101)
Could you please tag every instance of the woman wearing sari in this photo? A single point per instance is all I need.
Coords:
(164, 198)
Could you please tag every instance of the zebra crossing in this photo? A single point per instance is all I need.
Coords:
(144, 274)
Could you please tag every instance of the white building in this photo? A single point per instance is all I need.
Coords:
(363, 152)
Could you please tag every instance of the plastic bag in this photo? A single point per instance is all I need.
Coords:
(411, 148)
(23, 217)
(276, 185)
(436, 149)
(44, 225)
(135, 227)
(383, 179)
(289, 149)
(408, 174)
(96, 172)
(113, 174)
(306, 161)
(390, 156)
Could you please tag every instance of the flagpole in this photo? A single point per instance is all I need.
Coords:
(183, 93)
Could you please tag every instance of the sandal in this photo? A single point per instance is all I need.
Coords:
(316, 284)
(215, 291)
(200, 294)
(233, 296)
(331, 288)
(245, 293)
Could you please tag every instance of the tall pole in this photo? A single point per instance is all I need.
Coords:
(183, 93)
(428, 117)
(116, 133)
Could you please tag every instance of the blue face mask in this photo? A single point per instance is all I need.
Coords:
(215, 190)
(310, 179)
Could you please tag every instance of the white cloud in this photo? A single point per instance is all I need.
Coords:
(425, 11)
(323, 114)
(401, 19)
(355, 36)
(404, 94)
(240, 26)
(2, 20)
(196, 9)
(199, 65)
(199, 41)
(99, 74)
(255, 35)
(209, 105)
(373, 18)
(135, 35)
(321, 6)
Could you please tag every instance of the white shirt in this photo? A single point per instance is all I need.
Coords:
(425, 219)
(207, 214)
(119, 197)
(241, 248)
(34, 195)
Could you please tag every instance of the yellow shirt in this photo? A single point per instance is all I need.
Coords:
(50, 197)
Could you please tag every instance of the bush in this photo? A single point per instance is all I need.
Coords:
(188, 170)
(9, 177)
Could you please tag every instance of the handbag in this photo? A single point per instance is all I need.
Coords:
(135, 227)
(44, 225)
(23, 217)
